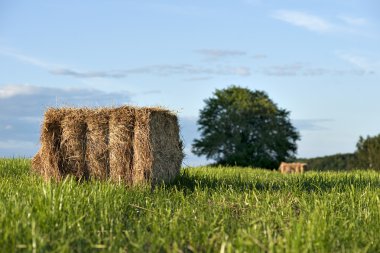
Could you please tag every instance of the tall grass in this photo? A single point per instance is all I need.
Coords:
(204, 210)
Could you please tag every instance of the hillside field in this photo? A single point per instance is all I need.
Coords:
(205, 210)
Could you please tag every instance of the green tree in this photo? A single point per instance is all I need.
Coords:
(368, 152)
(243, 127)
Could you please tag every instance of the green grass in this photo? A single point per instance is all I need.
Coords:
(205, 210)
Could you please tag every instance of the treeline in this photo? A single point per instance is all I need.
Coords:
(331, 162)
(366, 156)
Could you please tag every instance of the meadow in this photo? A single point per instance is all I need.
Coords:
(205, 210)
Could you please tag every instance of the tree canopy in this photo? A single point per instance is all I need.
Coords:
(245, 128)
(368, 152)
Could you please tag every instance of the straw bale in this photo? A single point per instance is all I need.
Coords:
(292, 167)
(73, 143)
(121, 128)
(97, 140)
(129, 145)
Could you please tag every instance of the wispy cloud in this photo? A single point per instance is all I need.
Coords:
(217, 54)
(200, 78)
(88, 74)
(160, 70)
(188, 70)
(362, 63)
(284, 70)
(16, 90)
(355, 21)
(27, 58)
(58, 69)
(304, 20)
(150, 92)
(47, 96)
(340, 23)
(303, 69)
(259, 56)
(311, 124)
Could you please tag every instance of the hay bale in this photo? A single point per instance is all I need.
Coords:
(97, 140)
(292, 167)
(121, 128)
(127, 144)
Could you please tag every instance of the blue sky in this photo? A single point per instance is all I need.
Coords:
(320, 59)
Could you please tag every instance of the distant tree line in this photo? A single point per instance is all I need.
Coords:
(331, 162)
(366, 156)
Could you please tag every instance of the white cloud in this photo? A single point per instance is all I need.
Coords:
(340, 23)
(240, 71)
(311, 124)
(27, 58)
(189, 69)
(217, 54)
(303, 69)
(362, 63)
(259, 56)
(15, 90)
(159, 69)
(284, 70)
(198, 78)
(305, 20)
(88, 74)
(353, 20)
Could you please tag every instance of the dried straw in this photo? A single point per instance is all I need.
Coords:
(97, 140)
(48, 161)
(73, 143)
(121, 127)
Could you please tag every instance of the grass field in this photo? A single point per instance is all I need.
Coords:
(205, 210)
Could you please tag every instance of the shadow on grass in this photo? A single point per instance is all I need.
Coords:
(319, 183)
